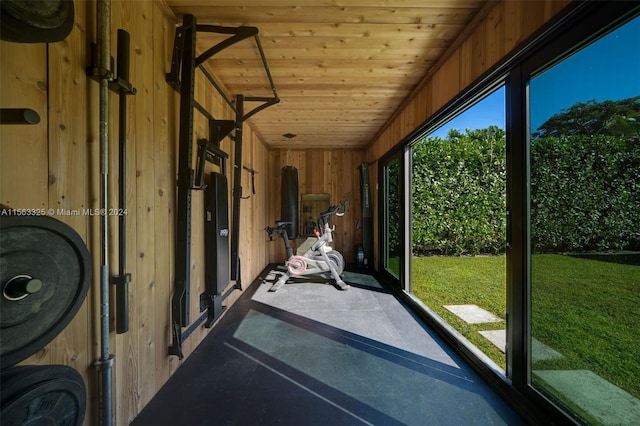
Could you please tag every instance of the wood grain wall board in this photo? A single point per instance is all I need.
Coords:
(24, 85)
(409, 53)
(164, 190)
(361, 3)
(352, 30)
(334, 89)
(495, 34)
(143, 139)
(355, 102)
(335, 68)
(276, 46)
(330, 14)
(67, 168)
(345, 79)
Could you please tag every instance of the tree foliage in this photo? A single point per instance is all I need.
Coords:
(591, 118)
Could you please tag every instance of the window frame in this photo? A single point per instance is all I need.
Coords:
(571, 30)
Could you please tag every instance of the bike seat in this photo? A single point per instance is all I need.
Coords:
(283, 223)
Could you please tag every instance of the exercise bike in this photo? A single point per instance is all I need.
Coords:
(319, 259)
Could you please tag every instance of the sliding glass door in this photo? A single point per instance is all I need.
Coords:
(458, 223)
(392, 237)
(584, 144)
(519, 238)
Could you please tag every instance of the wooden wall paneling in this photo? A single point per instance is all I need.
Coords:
(513, 17)
(496, 41)
(271, 177)
(244, 247)
(247, 251)
(143, 140)
(532, 16)
(324, 178)
(344, 178)
(164, 101)
(23, 151)
(300, 161)
(251, 257)
(68, 170)
(446, 81)
(473, 55)
(260, 206)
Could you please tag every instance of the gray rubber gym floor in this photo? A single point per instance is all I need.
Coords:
(310, 354)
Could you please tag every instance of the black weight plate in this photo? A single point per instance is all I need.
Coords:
(48, 250)
(36, 21)
(42, 395)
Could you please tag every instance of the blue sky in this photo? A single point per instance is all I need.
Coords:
(608, 69)
(488, 112)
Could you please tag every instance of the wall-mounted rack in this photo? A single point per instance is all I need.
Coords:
(181, 78)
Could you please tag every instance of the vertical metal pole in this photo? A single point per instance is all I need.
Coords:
(105, 362)
(237, 192)
(122, 286)
(180, 300)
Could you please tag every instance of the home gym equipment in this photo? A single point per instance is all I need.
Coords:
(45, 273)
(367, 218)
(100, 71)
(18, 116)
(123, 87)
(182, 77)
(45, 21)
(216, 234)
(289, 200)
(42, 395)
(319, 259)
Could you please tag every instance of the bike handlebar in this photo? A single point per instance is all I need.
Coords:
(335, 210)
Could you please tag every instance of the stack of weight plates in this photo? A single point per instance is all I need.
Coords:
(45, 273)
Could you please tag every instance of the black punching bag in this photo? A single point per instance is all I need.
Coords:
(289, 199)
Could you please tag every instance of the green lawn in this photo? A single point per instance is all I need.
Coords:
(584, 309)
(439, 281)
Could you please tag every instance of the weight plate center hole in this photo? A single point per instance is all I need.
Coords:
(20, 287)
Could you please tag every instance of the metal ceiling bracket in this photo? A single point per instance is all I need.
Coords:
(238, 34)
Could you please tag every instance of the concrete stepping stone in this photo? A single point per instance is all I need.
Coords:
(603, 400)
(539, 351)
(542, 352)
(497, 337)
(472, 314)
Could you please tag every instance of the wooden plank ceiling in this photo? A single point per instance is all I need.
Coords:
(340, 67)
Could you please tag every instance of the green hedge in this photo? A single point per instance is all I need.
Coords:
(585, 194)
(458, 199)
